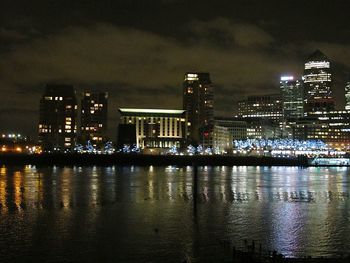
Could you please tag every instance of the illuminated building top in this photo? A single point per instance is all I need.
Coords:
(191, 77)
(318, 83)
(156, 111)
(287, 78)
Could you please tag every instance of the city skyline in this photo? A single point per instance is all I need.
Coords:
(174, 131)
(245, 50)
(236, 112)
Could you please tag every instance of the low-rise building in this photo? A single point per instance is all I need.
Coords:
(156, 128)
(222, 139)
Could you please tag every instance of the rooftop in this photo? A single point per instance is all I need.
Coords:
(154, 111)
(317, 56)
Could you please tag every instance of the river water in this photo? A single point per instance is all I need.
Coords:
(147, 214)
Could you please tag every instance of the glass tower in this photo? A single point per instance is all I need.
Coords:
(292, 96)
(318, 83)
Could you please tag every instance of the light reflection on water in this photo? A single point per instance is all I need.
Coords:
(146, 213)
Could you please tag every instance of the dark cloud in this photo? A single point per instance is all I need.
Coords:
(225, 33)
(11, 35)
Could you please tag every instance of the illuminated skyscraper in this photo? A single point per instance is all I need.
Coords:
(94, 108)
(57, 120)
(347, 95)
(318, 83)
(292, 97)
(198, 101)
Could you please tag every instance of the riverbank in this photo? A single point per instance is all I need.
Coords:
(145, 160)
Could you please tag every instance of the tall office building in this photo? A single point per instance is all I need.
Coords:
(57, 120)
(198, 101)
(292, 97)
(94, 109)
(318, 84)
(264, 115)
(347, 95)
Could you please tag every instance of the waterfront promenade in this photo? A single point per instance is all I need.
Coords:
(141, 159)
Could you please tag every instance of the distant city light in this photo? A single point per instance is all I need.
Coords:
(286, 78)
(284, 147)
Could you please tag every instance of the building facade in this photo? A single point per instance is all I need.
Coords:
(260, 128)
(318, 94)
(347, 95)
(269, 107)
(198, 102)
(332, 127)
(222, 139)
(237, 127)
(57, 119)
(156, 128)
(292, 97)
(94, 110)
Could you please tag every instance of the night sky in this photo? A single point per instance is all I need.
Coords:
(138, 51)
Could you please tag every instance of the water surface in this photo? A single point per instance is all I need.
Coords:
(146, 214)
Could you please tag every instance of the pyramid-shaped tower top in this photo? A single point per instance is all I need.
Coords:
(317, 56)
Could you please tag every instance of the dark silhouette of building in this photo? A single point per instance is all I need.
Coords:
(94, 110)
(198, 101)
(318, 83)
(126, 135)
(57, 120)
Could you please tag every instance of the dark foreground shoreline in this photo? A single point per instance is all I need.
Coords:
(145, 160)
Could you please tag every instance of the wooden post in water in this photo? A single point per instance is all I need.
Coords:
(233, 254)
(195, 183)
